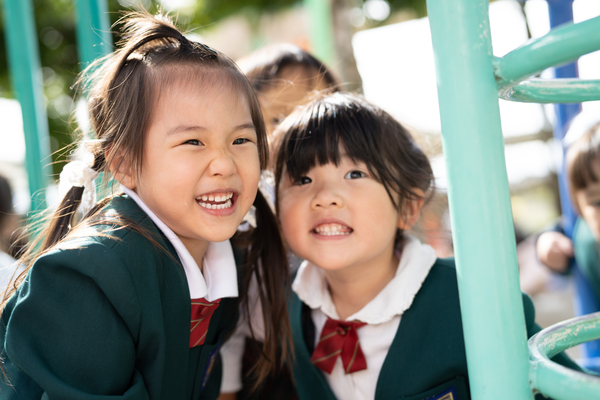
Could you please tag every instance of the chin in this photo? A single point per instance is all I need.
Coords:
(329, 266)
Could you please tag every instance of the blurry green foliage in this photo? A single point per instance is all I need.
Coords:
(419, 7)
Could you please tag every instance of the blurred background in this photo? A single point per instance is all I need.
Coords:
(381, 48)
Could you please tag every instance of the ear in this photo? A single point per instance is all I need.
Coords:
(120, 168)
(411, 210)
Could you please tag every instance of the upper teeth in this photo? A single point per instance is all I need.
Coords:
(224, 199)
(332, 229)
(210, 206)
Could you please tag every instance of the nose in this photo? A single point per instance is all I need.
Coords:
(221, 163)
(327, 196)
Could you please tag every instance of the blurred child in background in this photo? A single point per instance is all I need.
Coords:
(554, 248)
(283, 75)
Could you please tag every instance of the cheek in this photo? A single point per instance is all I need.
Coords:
(248, 166)
(289, 217)
(591, 215)
(268, 125)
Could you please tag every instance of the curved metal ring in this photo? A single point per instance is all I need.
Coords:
(552, 379)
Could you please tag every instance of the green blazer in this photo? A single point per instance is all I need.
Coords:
(586, 254)
(109, 318)
(427, 357)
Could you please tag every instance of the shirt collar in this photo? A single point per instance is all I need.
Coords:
(220, 273)
(415, 262)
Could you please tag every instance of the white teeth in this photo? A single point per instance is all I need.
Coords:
(217, 202)
(209, 206)
(333, 233)
(332, 230)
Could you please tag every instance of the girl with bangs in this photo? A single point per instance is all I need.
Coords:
(374, 313)
(135, 300)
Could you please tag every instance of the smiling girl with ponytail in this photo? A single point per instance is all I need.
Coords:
(135, 300)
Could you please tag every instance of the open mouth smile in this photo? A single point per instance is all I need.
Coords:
(216, 201)
(332, 229)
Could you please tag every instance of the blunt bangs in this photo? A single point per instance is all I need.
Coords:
(323, 134)
(339, 124)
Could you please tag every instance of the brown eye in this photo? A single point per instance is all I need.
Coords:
(355, 175)
(303, 180)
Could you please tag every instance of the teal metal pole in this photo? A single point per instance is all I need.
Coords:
(553, 91)
(93, 30)
(321, 30)
(26, 77)
(480, 210)
(559, 46)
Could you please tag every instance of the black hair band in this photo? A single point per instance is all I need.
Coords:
(185, 42)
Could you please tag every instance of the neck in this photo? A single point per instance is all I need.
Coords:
(197, 249)
(352, 290)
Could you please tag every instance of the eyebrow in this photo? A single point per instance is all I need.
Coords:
(188, 128)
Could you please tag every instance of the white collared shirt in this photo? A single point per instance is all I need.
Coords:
(8, 265)
(218, 277)
(382, 315)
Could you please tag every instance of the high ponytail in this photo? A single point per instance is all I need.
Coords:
(63, 218)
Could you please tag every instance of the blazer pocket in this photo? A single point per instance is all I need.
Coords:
(454, 389)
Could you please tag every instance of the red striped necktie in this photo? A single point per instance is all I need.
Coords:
(202, 310)
(339, 338)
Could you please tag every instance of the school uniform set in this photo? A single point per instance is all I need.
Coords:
(116, 317)
(407, 343)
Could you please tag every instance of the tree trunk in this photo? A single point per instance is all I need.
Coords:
(343, 31)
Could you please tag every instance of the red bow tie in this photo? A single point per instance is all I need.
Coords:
(202, 310)
(339, 338)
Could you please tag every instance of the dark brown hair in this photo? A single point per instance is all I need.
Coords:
(265, 66)
(319, 132)
(6, 206)
(123, 88)
(580, 158)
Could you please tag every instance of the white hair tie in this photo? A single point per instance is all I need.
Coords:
(79, 173)
(266, 185)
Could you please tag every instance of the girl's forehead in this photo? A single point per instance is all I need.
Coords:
(196, 80)
(194, 86)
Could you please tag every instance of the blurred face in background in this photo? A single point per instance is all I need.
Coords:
(291, 89)
(588, 200)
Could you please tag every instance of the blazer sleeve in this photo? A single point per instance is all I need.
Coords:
(533, 328)
(74, 324)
